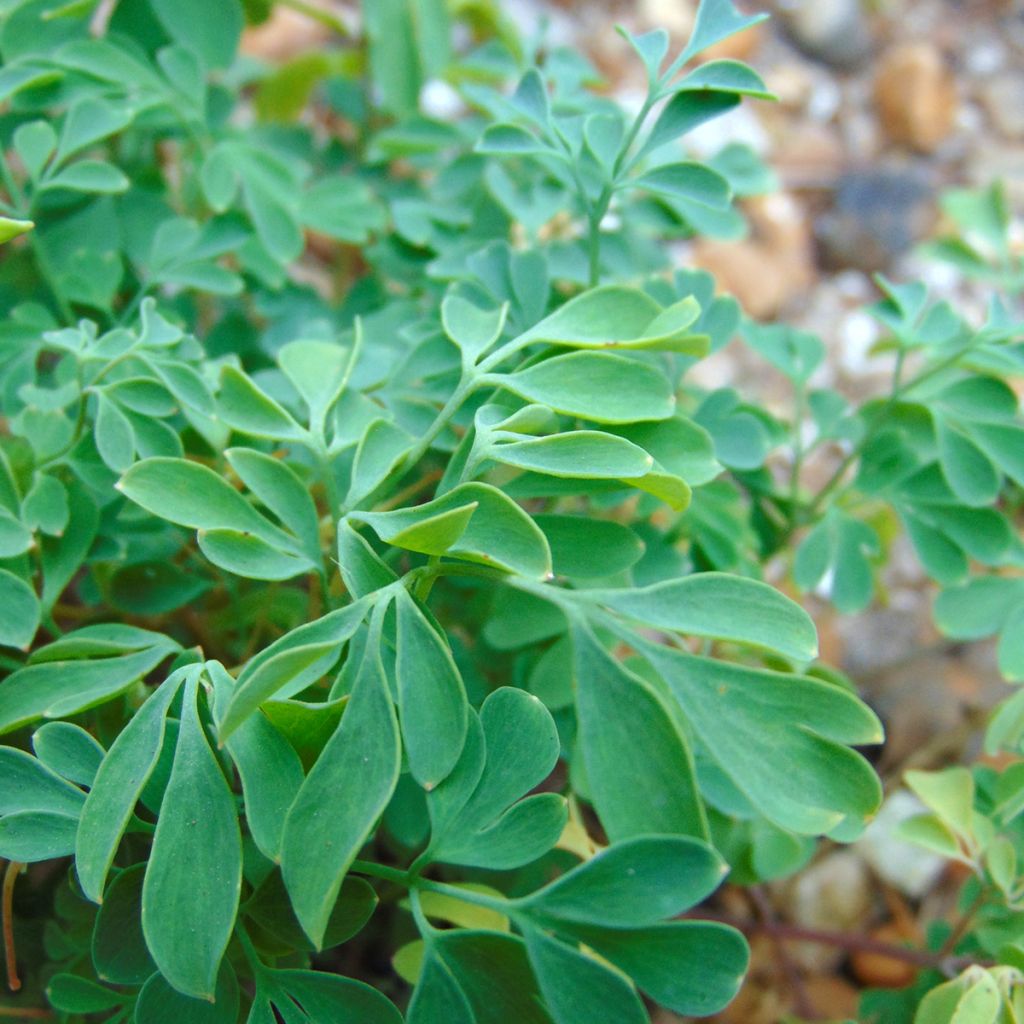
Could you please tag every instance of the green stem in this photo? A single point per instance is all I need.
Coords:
(408, 881)
(466, 385)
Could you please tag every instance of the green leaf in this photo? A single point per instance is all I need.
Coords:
(195, 865)
(497, 532)
(722, 606)
(69, 751)
(730, 76)
(476, 977)
(152, 588)
(595, 385)
(30, 836)
(212, 33)
(87, 122)
(949, 793)
(329, 999)
(46, 505)
(113, 433)
(839, 549)
(613, 708)
(192, 495)
(29, 785)
(686, 111)
(271, 908)
(585, 548)
(473, 329)
(381, 450)
(119, 782)
(693, 968)
(362, 570)
(276, 485)
(716, 20)
(652, 48)
(118, 945)
(971, 998)
(582, 454)
(271, 775)
(246, 555)
(319, 371)
(578, 987)
(477, 815)
(35, 142)
(633, 883)
(691, 181)
(781, 739)
(21, 615)
(362, 759)
(10, 228)
(291, 663)
(15, 537)
(511, 140)
(159, 1003)
(88, 176)
(57, 689)
(970, 473)
(70, 993)
(431, 697)
(244, 407)
(617, 317)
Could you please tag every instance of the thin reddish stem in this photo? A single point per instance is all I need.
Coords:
(10, 956)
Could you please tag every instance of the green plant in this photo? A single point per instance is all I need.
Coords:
(413, 611)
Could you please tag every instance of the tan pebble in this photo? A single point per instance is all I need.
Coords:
(915, 96)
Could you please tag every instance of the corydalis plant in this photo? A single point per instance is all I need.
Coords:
(367, 631)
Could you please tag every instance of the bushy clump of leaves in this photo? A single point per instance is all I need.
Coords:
(380, 596)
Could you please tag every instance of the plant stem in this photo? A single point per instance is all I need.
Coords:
(852, 943)
(408, 881)
(7, 901)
